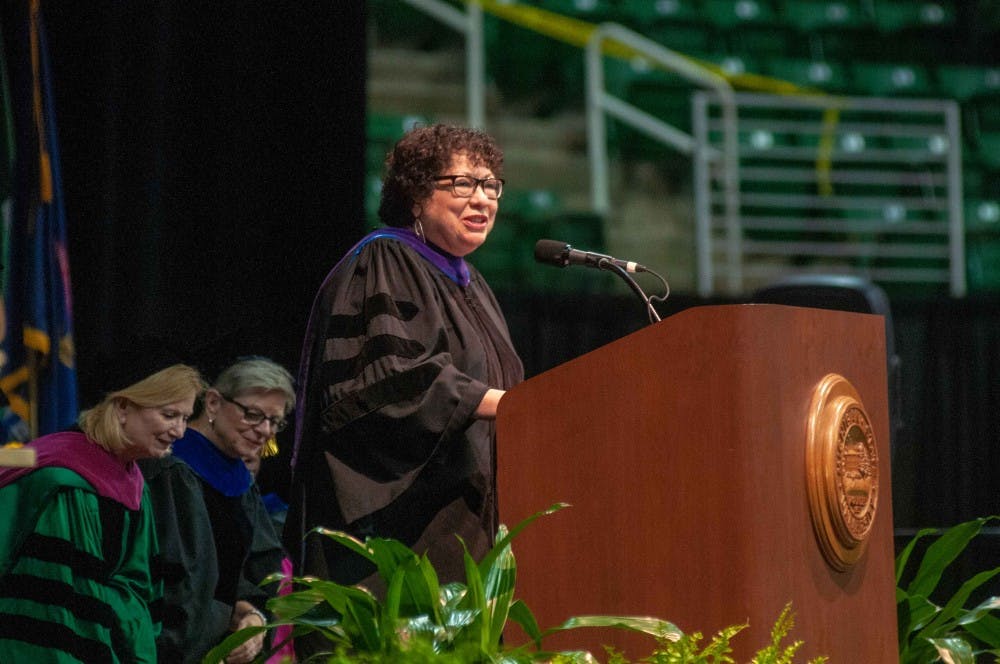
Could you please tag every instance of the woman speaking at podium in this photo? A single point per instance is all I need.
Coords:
(405, 359)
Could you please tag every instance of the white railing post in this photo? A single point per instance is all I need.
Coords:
(475, 67)
(597, 139)
(956, 213)
(470, 25)
(702, 197)
(599, 102)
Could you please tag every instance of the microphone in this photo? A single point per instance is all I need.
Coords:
(562, 254)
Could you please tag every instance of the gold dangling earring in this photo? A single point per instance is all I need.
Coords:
(418, 228)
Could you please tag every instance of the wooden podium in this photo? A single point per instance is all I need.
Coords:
(682, 449)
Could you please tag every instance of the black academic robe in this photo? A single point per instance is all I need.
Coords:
(399, 354)
(214, 550)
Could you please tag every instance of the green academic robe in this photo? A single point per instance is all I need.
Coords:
(75, 583)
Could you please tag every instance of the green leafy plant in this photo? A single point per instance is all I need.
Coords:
(420, 620)
(949, 632)
(687, 649)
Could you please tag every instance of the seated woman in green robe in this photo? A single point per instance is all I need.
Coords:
(77, 536)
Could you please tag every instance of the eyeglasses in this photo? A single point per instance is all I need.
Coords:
(253, 417)
(464, 186)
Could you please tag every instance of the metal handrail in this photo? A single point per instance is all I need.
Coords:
(600, 101)
(869, 168)
(470, 25)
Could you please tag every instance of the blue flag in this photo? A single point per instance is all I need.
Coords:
(38, 365)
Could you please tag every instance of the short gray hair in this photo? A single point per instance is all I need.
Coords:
(256, 373)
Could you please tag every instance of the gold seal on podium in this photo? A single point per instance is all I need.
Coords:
(842, 471)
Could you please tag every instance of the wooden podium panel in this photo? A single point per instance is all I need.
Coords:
(682, 450)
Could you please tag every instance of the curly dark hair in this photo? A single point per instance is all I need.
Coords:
(422, 153)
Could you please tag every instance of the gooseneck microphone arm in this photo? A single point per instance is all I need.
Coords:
(654, 317)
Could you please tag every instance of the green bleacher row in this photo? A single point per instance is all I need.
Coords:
(787, 18)
(823, 30)
(976, 88)
(903, 48)
(828, 46)
(900, 48)
(885, 15)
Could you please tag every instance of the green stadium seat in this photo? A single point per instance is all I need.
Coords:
(749, 26)
(829, 29)
(529, 205)
(820, 15)
(734, 63)
(920, 148)
(729, 14)
(683, 38)
(641, 15)
(895, 15)
(982, 262)
(918, 30)
(757, 142)
(826, 75)
(886, 79)
(986, 150)
(677, 24)
(981, 123)
(592, 11)
(964, 82)
(845, 143)
(973, 178)
(982, 215)
(982, 244)
(983, 112)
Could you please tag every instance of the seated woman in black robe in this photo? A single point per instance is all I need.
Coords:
(406, 357)
(217, 541)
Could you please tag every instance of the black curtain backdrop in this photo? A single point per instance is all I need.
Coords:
(213, 164)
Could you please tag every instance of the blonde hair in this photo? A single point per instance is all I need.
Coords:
(175, 383)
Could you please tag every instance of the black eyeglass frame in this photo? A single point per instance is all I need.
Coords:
(478, 183)
(254, 417)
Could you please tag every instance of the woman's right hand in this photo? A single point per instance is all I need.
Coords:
(246, 615)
